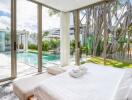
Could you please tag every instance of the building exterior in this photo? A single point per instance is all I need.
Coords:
(55, 33)
(22, 40)
(5, 40)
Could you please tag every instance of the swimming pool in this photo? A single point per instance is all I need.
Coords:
(32, 58)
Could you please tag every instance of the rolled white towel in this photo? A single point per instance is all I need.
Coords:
(83, 69)
(76, 72)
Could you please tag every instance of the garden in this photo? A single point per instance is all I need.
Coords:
(47, 46)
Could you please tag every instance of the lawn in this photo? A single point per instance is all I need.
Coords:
(109, 62)
(34, 51)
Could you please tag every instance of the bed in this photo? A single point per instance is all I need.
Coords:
(99, 83)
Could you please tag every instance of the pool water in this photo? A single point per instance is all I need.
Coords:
(32, 58)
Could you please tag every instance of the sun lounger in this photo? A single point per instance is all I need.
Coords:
(24, 88)
(100, 83)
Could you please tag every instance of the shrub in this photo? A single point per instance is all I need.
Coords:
(54, 43)
(32, 46)
(72, 47)
(45, 45)
(21, 46)
(100, 48)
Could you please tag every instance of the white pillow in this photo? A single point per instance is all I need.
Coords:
(55, 70)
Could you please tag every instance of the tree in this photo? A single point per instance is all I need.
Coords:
(54, 43)
(72, 46)
(130, 29)
(45, 45)
(45, 33)
(32, 46)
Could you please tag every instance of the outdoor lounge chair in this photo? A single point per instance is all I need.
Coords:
(99, 83)
(24, 88)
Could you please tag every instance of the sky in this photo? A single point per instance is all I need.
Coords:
(26, 16)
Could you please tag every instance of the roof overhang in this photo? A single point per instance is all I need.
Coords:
(67, 5)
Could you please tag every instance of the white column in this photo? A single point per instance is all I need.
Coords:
(64, 39)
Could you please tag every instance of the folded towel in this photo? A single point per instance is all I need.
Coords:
(75, 74)
(83, 69)
(78, 72)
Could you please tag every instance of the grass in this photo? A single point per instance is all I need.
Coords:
(99, 60)
(109, 62)
(35, 51)
(32, 51)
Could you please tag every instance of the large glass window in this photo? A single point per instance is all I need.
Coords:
(72, 40)
(27, 54)
(107, 40)
(51, 38)
(5, 39)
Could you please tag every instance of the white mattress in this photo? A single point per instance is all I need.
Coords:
(100, 83)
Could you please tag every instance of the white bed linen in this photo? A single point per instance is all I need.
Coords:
(99, 83)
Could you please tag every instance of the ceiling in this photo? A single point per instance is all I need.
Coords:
(67, 5)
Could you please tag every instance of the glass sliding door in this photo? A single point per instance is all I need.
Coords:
(27, 56)
(50, 38)
(72, 40)
(5, 39)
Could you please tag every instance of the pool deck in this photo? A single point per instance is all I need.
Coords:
(22, 69)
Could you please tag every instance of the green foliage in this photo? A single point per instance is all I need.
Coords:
(130, 29)
(72, 44)
(118, 32)
(72, 47)
(89, 44)
(50, 45)
(45, 45)
(100, 48)
(45, 33)
(32, 46)
(110, 62)
(54, 43)
(21, 46)
(84, 49)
